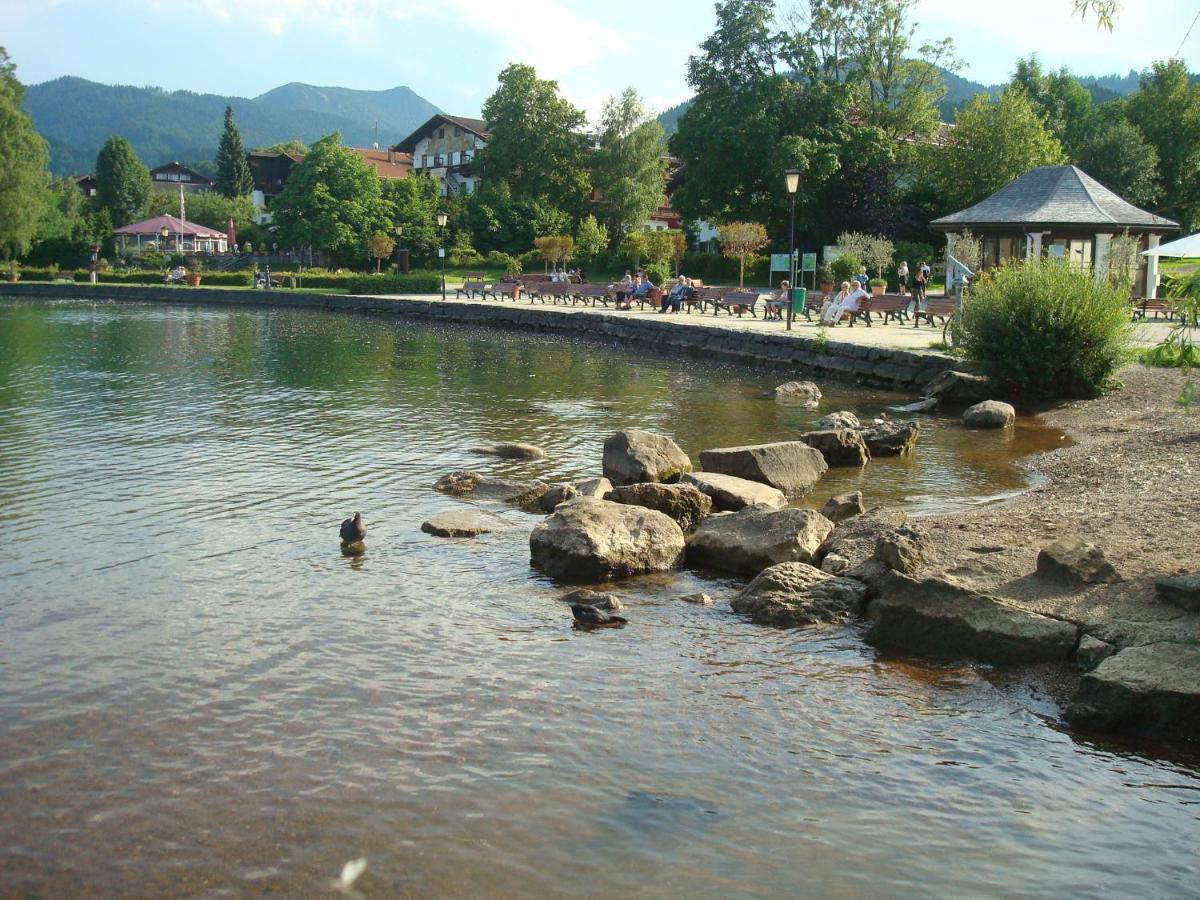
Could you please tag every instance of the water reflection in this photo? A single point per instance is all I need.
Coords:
(200, 695)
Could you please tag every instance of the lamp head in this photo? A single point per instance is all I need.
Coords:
(792, 179)
(441, 220)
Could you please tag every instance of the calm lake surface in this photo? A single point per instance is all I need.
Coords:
(199, 695)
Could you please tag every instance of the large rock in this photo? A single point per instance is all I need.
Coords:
(511, 451)
(754, 538)
(989, 414)
(1072, 560)
(840, 447)
(594, 488)
(1091, 652)
(834, 421)
(1153, 689)
(598, 599)
(960, 387)
(486, 487)
(682, 502)
(790, 466)
(804, 393)
(463, 523)
(854, 540)
(592, 540)
(731, 493)
(903, 548)
(1181, 590)
(794, 593)
(891, 438)
(936, 618)
(843, 506)
(633, 456)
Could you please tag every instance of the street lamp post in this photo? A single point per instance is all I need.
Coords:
(165, 234)
(441, 220)
(399, 246)
(792, 180)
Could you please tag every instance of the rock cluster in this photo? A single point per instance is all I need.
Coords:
(754, 538)
(792, 467)
(730, 493)
(682, 502)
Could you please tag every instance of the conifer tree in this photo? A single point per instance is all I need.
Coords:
(233, 172)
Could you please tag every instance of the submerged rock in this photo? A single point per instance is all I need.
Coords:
(633, 456)
(793, 593)
(804, 393)
(684, 503)
(598, 599)
(463, 523)
(594, 488)
(594, 540)
(925, 405)
(1071, 560)
(511, 451)
(959, 387)
(754, 538)
(698, 599)
(731, 493)
(486, 487)
(789, 466)
(843, 506)
(1180, 590)
(989, 414)
(935, 618)
(1153, 689)
(841, 447)
(891, 438)
(588, 616)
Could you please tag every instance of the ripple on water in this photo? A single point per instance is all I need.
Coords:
(199, 692)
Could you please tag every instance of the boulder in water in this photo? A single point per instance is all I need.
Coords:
(834, 421)
(891, 438)
(789, 466)
(843, 506)
(1152, 689)
(959, 387)
(794, 593)
(598, 599)
(511, 451)
(454, 523)
(684, 503)
(755, 538)
(840, 447)
(632, 456)
(804, 393)
(487, 487)
(595, 540)
(989, 414)
(731, 493)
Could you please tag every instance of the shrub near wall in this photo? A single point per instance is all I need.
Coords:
(1041, 328)
(412, 283)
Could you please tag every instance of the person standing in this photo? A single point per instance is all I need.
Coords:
(862, 278)
(902, 276)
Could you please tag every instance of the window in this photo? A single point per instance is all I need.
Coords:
(457, 131)
(454, 158)
(441, 133)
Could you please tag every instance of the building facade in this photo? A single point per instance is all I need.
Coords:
(445, 147)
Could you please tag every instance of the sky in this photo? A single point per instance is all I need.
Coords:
(450, 51)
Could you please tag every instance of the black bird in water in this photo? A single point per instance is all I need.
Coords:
(353, 530)
(591, 617)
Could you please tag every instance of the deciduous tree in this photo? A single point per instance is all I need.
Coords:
(1116, 155)
(1064, 104)
(122, 181)
(380, 246)
(23, 160)
(739, 240)
(591, 237)
(628, 168)
(1166, 109)
(233, 171)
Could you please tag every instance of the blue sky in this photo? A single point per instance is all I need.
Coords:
(449, 51)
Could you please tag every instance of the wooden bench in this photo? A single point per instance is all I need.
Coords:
(703, 296)
(652, 298)
(593, 292)
(471, 287)
(942, 308)
(533, 290)
(890, 306)
(69, 275)
(813, 301)
(736, 301)
(1163, 306)
(557, 290)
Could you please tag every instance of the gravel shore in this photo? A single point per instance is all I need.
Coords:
(1129, 483)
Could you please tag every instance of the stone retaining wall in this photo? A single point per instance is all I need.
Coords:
(901, 370)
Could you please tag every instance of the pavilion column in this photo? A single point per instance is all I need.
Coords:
(1100, 257)
(1035, 245)
(1152, 266)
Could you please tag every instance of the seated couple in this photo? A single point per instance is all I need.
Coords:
(679, 292)
(844, 303)
(632, 289)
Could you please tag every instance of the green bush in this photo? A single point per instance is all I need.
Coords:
(713, 268)
(877, 282)
(1041, 328)
(844, 268)
(658, 273)
(412, 283)
(913, 252)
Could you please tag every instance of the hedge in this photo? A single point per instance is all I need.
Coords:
(412, 283)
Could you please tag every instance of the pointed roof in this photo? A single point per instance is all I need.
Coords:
(475, 126)
(1054, 196)
(174, 226)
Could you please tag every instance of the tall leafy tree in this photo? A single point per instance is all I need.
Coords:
(993, 142)
(628, 169)
(122, 181)
(535, 141)
(1116, 155)
(332, 201)
(1166, 110)
(415, 205)
(23, 160)
(1064, 104)
(233, 171)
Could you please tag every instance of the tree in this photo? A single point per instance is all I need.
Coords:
(122, 182)
(739, 240)
(233, 171)
(206, 208)
(24, 156)
(555, 248)
(993, 143)
(1117, 156)
(591, 237)
(332, 201)
(1166, 109)
(634, 245)
(500, 221)
(415, 202)
(628, 169)
(380, 246)
(535, 142)
(294, 147)
(1064, 104)
(967, 248)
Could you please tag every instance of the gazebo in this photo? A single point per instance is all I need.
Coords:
(1060, 212)
(180, 236)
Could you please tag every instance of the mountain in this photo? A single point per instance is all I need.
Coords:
(77, 116)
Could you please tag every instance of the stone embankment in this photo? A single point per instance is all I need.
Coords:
(898, 369)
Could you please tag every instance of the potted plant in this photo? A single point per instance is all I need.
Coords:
(193, 279)
(14, 271)
(878, 286)
(824, 279)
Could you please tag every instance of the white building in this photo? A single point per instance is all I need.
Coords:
(445, 147)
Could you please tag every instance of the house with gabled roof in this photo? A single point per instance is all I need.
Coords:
(445, 147)
(175, 175)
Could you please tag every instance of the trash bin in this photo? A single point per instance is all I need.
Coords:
(799, 296)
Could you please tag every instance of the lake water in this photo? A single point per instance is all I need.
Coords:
(200, 696)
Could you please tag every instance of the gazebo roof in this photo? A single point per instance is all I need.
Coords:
(1054, 196)
(175, 226)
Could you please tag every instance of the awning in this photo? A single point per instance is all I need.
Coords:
(1188, 246)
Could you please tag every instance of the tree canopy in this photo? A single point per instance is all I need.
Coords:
(233, 171)
(122, 181)
(1166, 110)
(628, 169)
(24, 157)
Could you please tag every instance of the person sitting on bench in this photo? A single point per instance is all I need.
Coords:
(777, 304)
(641, 289)
(673, 299)
(845, 303)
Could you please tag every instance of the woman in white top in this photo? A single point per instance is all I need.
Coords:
(831, 310)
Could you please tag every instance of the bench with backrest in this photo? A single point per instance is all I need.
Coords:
(813, 301)
(890, 306)
(593, 292)
(703, 296)
(651, 298)
(940, 308)
(557, 290)
(470, 286)
(736, 301)
(502, 290)
(533, 289)
(1159, 306)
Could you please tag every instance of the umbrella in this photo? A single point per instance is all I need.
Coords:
(1188, 246)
